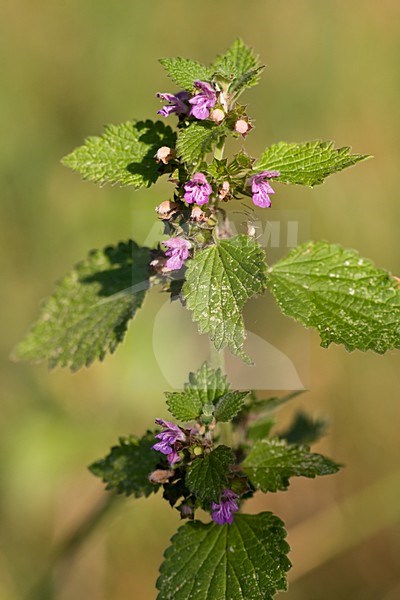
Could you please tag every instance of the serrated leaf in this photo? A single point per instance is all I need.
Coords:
(124, 154)
(246, 560)
(219, 281)
(239, 65)
(345, 297)
(184, 71)
(308, 163)
(270, 464)
(127, 467)
(203, 388)
(185, 406)
(304, 429)
(209, 384)
(206, 477)
(248, 79)
(229, 406)
(88, 314)
(197, 140)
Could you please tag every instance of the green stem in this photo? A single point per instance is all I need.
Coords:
(217, 361)
(218, 357)
(219, 149)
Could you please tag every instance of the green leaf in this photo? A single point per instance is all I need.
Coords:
(89, 312)
(270, 463)
(308, 163)
(184, 71)
(185, 406)
(243, 561)
(248, 79)
(127, 467)
(197, 140)
(210, 384)
(219, 281)
(345, 297)
(229, 406)
(239, 65)
(304, 429)
(204, 388)
(124, 154)
(207, 477)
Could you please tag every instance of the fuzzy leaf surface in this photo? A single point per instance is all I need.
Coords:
(185, 406)
(184, 71)
(308, 163)
(240, 65)
(126, 468)
(229, 406)
(345, 297)
(124, 154)
(209, 384)
(207, 477)
(204, 387)
(270, 464)
(88, 314)
(197, 140)
(243, 561)
(219, 281)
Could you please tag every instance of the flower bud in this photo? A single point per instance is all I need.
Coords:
(160, 476)
(243, 127)
(165, 155)
(167, 209)
(224, 190)
(217, 115)
(197, 214)
(251, 230)
(186, 511)
(198, 450)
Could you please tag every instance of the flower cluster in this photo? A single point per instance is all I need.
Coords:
(207, 101)
(182, 445)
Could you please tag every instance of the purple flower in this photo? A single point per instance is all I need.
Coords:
(168, 438)
(178, 252)
(173, 457)
(222, 512)
(203, 101)
(261, 188)
(197, 189)
(176, 104)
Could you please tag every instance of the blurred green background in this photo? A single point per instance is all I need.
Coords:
(66, 69)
